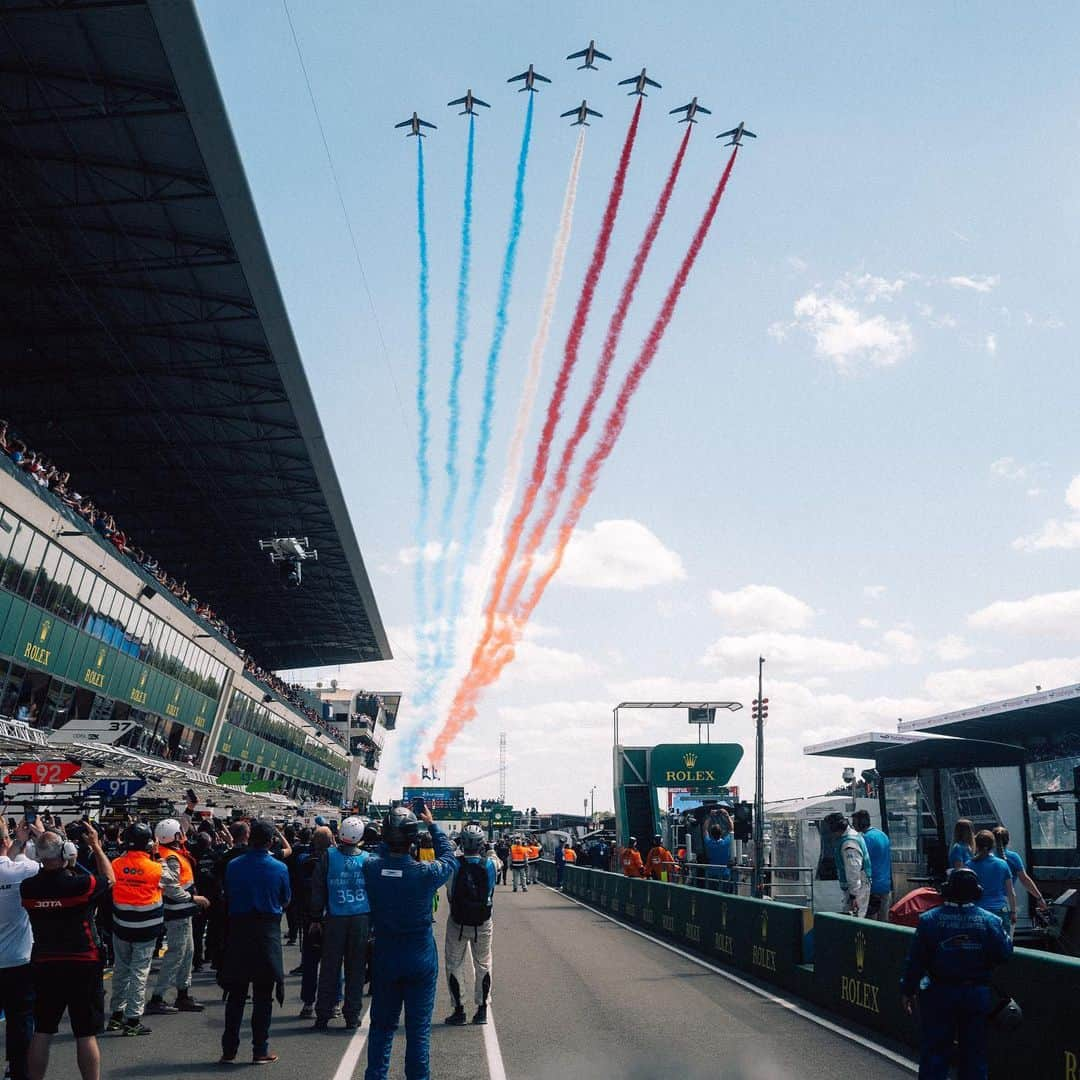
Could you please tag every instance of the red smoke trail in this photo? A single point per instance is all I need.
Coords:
(488, 664)
(600, 377)
(562, 382)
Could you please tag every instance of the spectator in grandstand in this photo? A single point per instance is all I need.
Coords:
(16, 940)
(257, 891)
(877, 843)
(1016, 866)
(963, 847)
(65, 964)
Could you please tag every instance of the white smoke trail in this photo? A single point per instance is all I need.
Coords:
(501, 512)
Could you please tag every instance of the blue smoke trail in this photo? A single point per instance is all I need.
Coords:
(423, 440)
(461, 332)
(480, 459)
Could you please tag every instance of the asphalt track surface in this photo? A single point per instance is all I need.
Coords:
(575, 996)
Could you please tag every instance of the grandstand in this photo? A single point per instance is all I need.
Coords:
(160, 422)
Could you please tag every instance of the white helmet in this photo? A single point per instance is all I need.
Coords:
(165, 831)
(351, 831)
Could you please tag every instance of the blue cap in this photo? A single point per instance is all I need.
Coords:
(320, 820)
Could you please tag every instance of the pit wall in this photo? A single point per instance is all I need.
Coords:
(850, 967)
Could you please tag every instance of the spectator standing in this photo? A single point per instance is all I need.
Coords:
(65, 965)
(534, 861)
(719, 850)
(295, 915)
(470, 928)
(560, 864)
(852, 864)
(995, 877)
(963, 846)
(339, 906)
(180, 904)
(16, 942)
(311, 937)
(138, 916)
(1016, 866)
(406, 961)
(952, 956)
(502, 850)
(880, 849)
(204, 861)
(519, 864)
(257, 892)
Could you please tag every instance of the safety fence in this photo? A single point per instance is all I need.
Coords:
(850, 967)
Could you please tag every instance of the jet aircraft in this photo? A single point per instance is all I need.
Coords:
(691, 110)
(581, 112)
(416, 124)
(736, 134)
(469, 101)
(530, 78)
(590, 53)
(639, 83)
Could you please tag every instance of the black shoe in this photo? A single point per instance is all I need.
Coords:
(290, 941)
(186, 1003)
(352, 1023)
(321, 1025)
(457, 1017)
(116, 1022)
(480, 1016)
(135, 1027)
(298, 970)
(160, 1007)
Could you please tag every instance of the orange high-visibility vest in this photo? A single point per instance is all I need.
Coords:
(570, 855)
(518, 855)
(136, 897)
(631, 863)
(659, 861)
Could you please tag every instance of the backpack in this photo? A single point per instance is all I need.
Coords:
(469, 903)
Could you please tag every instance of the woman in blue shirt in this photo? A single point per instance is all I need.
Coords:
(1016, 865)
(994, 875)
(963, 849)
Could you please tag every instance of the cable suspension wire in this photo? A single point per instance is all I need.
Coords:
(345, 213)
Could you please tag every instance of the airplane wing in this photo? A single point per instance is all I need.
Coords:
(630, 81)
(424, 123)
(570, 112)
(542, 78)
(517, 78)
(456, 101)
(477, 101)
(749, 133)
(404, 123)
(726, 134)
(599, 55)
(579, 55)
(593, 112)
(701, 108)
(651, 82)
(683, 108)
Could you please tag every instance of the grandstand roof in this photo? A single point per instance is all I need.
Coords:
(146, 343)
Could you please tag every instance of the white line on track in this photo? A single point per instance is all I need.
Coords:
(496, 1068)
(828, 1025)
(353, 1051)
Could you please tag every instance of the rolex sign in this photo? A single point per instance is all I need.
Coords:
(693, 765)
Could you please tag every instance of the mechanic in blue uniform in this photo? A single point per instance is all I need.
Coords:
(719, 851)
(405, 968)
(955, 949)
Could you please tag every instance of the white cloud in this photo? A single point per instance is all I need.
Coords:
(1044, 613)
(983, 283)
(953, 648)
(874, 592)
(961, 687)
(799, 265)
(868, 624)
(1064, 535)
(761, 607)
(873, 288)
(791, 654)
(903, 645)
(1035, 492)
(991, 343)
(1008, 468)
(847, 338)
(534, 663)
(622, 554)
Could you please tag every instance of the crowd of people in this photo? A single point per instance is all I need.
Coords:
(49, 476)
(190, 893)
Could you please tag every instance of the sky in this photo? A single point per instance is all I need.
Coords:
(855, 453)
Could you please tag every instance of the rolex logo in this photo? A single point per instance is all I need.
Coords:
(764, 925)
(723, 916)
(100, 659)
(176, 696)
(690, 759)
(693, 909)
(46, 626)
(860, 951)
(142, 680)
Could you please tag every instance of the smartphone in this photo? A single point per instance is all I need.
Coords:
(418, 806)
(29, 815)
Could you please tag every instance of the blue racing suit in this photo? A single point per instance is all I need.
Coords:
(954, 952)
(405, 970)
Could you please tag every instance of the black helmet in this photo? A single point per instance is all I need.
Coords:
(657, 840)
(962, 886)
(138, 836)
(400, 826)
(631, 841)
(371, 833)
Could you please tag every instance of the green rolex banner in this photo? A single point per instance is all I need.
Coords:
(693, 765)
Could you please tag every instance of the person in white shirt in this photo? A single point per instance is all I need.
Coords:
(16, 942)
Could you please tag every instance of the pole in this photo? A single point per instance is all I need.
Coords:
(759, 786)
(592, 807)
